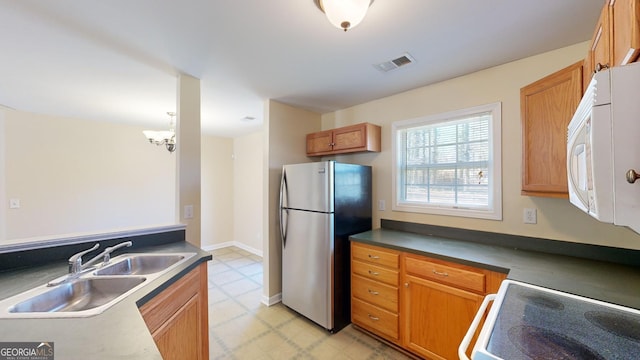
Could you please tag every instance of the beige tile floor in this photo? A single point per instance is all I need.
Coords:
(240, 327)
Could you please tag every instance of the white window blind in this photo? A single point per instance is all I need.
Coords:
(447, 163)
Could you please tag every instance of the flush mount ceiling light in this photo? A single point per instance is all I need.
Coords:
(166, 137)
(344, 14)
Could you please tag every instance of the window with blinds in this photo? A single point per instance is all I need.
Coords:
(449, 163)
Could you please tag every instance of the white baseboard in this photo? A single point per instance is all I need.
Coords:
(269, 301)
(237, 244)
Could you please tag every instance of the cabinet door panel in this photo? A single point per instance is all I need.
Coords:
(178, 337)
(320, 142)
(547, 108)
(625, 18)
(178, 317)
(350, 137)
(436, 317)
(600, 45)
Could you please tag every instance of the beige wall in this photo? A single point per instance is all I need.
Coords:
(285, 130)
(557, 218)
(77, 176)
(217, 190)
(247, 191)
(3, 198)
(188, 174)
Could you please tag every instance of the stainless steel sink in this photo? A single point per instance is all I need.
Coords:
(142, 264)
(92, 291)
(78, 295)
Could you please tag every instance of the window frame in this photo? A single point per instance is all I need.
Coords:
(494, 210)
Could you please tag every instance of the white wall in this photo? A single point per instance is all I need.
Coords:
(557, 218)
(78, 176)
(217, 190)
(247, 191)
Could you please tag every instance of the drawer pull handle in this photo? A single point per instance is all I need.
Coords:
(440, 273)
(374, 318)
(374, 257)
(373, 273)
(373, 292)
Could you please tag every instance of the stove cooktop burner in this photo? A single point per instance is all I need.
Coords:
(538, 323)
(541, 301)
(615, 323)
(549, 345)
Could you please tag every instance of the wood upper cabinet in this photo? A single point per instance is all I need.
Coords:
(616, 38)
(598, 57)
(625, 31)
(178, 317)
(348, 139)
(547, 107)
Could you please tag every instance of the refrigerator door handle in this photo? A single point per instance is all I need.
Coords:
(283, 188)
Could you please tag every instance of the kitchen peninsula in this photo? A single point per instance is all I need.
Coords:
(121, 331)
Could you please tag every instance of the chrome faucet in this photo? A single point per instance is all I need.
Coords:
(76, 266)
(75, 261)
(105, 255)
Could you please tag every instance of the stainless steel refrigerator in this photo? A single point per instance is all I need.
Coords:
(321, 205)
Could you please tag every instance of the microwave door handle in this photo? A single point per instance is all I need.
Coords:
(462, 349)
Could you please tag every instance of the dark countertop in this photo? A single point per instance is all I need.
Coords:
(118, 333)
(606, 281)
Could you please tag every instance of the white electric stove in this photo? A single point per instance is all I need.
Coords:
(532, 322)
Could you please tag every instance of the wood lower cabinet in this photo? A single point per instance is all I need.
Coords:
(547, 107)
(440, 300)
(436, 317)
(178, 317)
(435, 304)
(374, 290)
(348, 139)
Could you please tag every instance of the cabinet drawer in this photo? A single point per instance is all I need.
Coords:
(375, 293)
(375, 255)
(374, 318)
(445, 274)
(376, 273)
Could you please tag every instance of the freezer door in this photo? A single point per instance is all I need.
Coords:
(307, 265)
(308, 186)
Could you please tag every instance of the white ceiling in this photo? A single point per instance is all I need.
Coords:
(118, 60)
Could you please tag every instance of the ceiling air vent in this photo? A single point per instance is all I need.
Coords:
(387, 66)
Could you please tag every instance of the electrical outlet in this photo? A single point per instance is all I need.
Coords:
(530, 216)
(381, 205)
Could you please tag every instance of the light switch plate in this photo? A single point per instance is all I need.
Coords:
(188, 212)
(14, 203)
(381, 205)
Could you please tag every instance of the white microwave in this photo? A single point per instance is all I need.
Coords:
(603, 148)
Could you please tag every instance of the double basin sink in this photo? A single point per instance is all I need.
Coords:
(95, 290)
